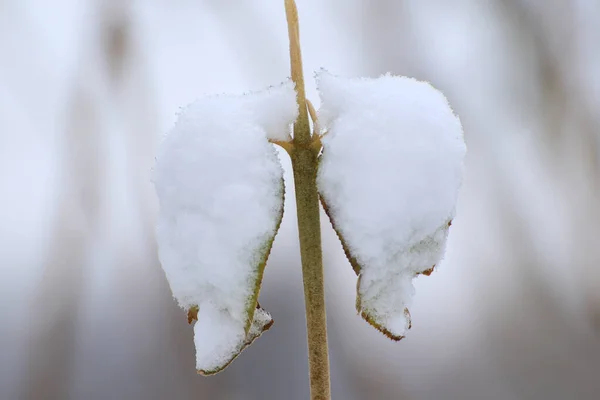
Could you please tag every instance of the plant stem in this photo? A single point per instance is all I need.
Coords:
(304, 163)
(301, 126)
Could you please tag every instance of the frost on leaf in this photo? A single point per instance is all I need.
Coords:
(220, 189)
(388, 178)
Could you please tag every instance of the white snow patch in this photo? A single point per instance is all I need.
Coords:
(219, 340)
(275, 109)
(220, 189)
(390, 172)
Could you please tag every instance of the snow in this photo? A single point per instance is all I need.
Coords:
(275, 108)
(219, 340)
(389, 176)
(220, 189)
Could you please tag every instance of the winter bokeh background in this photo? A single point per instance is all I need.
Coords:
(86, 90)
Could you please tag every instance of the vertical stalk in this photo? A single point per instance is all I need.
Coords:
(301, 126)
(304, 163)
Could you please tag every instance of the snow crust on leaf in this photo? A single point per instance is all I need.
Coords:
(220, 189)
(388, 177)
(219, 342)
(274, 109)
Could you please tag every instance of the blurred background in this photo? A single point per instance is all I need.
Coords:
(87, 87)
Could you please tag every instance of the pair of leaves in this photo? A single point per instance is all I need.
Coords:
(388, 179)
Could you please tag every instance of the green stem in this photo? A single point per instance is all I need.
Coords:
(304, 163)
(304, 155)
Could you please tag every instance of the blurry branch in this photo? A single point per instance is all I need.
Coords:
(116, 44)
(562, 94)
(58, 300)
(132, 102)
(571, 122)
(60, 297)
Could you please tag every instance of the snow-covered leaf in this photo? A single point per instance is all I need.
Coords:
(220, 189)
(219, 347)
(388, 178)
